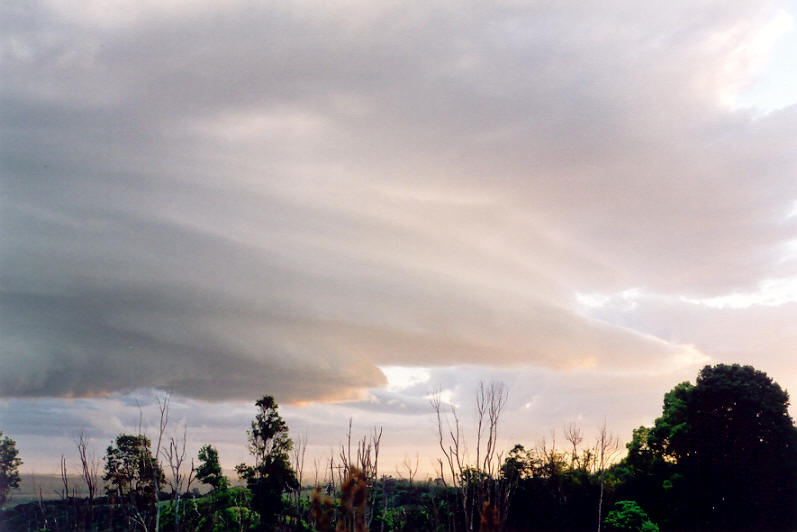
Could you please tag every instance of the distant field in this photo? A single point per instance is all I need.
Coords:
(50, 487)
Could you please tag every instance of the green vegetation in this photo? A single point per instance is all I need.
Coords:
(209, 470)
(628, 515)
(722, 456)
(9, 466)
(272, 475)
(133, 476)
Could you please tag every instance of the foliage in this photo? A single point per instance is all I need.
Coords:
(519, 463)
(628, 515)
(222, 510)
(133, 474)
(9, 466)
(401, 506)
(209, 470)
(722, 455)
(644, 474)
(554, 492)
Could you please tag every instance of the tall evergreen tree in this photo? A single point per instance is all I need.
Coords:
(272, 475)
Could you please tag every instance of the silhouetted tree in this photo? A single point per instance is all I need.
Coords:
(607, 446)
(272, 475)
(209, 470)
(733, 450)
(89, 472)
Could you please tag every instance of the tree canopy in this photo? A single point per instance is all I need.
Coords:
(627, 515)
(209, 469)
(723, 452)
(132, 474)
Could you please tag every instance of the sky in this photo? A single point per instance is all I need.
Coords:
(349, 205)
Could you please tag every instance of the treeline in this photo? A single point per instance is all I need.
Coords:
(722, 456)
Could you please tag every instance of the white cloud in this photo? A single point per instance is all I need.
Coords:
(771, 293)
(766, 83)
(401, 377)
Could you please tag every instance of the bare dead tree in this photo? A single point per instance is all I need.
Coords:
(442, 475)
(493, 397)
(163, 405)
(315, 471)
(345, 452)
(410, 468)
(64, 492)
(69, 496)
(40, 501)
(450, 442)
(496, 490)
(552, 461)
(607, 447)
(449, 438)
(480, 484)
(368, 454)
(298, 453)
(366, 462)
(574, 436)
(90, 472)
(180, 481)
(331, 484)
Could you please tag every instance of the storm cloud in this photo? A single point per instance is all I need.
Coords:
(224, 199)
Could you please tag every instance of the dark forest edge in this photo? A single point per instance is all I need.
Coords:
(722, 456)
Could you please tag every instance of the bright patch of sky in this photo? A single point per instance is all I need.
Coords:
(793, 211)
(626, 300)
(771, 293)
(770, 54)
(403, 377)
(446, 397)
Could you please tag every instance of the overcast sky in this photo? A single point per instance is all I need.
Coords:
(350, 204)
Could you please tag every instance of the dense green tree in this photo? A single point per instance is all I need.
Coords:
(628, 515)
(671, 435)
(554, 490)
(645, 475)
(9, 466)
(732, 448)
(133, 474)
(272, 475)
(209, 470)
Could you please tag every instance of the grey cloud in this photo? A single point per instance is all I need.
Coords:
(381, 401)
(232, 201)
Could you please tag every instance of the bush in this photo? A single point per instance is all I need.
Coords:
(628, 515)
